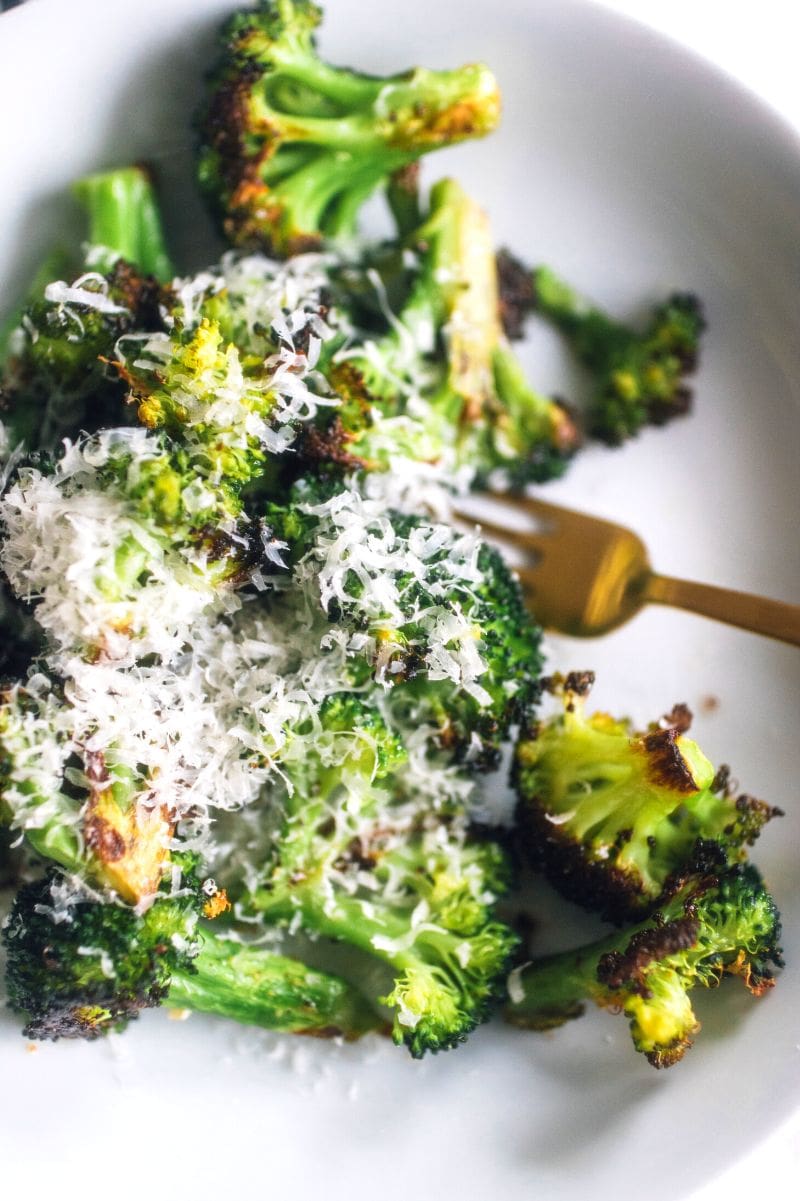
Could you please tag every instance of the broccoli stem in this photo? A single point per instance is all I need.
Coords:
(370, 927)
(342, 918)
(526, 410)
(402, 195)
(556, 986)
(594, 336)
(344, 87)
(124, 221)
(260, 988)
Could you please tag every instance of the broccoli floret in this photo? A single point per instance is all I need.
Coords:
(159, 522)
(397, 881)
(638, 378)
(444, 381)
(708, 926)
(99, 830)
(474, 722)
(439, 617)
(610, 813)
(291, 147)
(79, 967)
(240, 382)
(57, 378)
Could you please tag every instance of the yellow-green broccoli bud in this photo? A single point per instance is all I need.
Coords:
(609, 813)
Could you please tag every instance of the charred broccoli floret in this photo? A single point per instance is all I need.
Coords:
(444, 382)
(707, 927)
(638, 378)
(99, 829)
(361, 861)
(57, 377)
(79, 967)
(291, 147)
(610, 814)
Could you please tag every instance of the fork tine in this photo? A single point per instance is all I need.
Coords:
(529, 504)
(526, 540)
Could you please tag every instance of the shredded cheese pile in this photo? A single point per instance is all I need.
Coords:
(191, 690)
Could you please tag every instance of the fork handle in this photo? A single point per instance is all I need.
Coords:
(776, 619)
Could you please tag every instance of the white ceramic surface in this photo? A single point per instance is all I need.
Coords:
(635, 169)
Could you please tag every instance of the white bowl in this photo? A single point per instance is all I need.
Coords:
(635, 169)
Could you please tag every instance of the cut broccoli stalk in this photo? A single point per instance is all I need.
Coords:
(124, 222)
(79, 968)
(261, 988)
(638, 378)
(57, 378)
(401, 885)
(710, 926)
(292, 147)
(609, 813)
(444, 379)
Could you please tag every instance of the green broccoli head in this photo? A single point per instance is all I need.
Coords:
(447, 986)
(361, 860)
(706, 926)
(58, 377)
(79, 967)
(610, 813)
(472, 723)
(291, 147)
(448, 981)
(638, 378)
(416, 897)
(435, 616)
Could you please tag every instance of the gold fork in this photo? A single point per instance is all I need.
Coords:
(588, 576)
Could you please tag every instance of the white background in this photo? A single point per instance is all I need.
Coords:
(758, 44)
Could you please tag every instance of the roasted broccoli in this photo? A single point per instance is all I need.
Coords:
(361, 861)
(79, 966)
(638, 378)
(434, 615)
(243, 642)
(707, 926)
(443, 384)
(610, 814)
(58, 376)
(291, 147)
